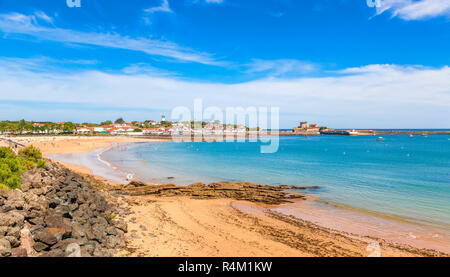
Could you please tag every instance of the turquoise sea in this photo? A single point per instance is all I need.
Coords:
(402, 176)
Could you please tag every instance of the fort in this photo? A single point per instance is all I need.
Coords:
(313, 129)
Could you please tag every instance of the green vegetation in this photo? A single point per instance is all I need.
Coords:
(31, 153)
(87, 124)
(12, 165)
(41, 164)
(119, 121)
(27, 127)
(107, 122)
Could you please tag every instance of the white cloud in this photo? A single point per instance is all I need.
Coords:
(281, 67)
(375, 96)
(208, 1)
(415, 9)
(163, 8)
(146, 69)
(16, 23)
(43, 16)
(42, 64)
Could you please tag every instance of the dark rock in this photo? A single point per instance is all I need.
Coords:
(122, 225)
(53, 253)
(57, 220)
(113, 242)
(63, 232)
(3, 231)
(98, 252)
(78, 230)
(96, 232)
(137, 184)
(62, 210)
(32, 214)
(19, 252)
(111, 230)
(39, 246)
(13, 232)
(14, 195)
(36, 228)
(13, 241)
(45, 237)
(12, 218)
(36, 221)
(64, 243)
(15, 200)
(53, 203)
(5, 248)
(73, 207)
(7, 207)
(234, 190)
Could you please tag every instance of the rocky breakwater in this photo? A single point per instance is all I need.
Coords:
(272, 195)
(58, 213)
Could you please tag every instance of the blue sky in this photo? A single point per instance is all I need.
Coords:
(340, 63)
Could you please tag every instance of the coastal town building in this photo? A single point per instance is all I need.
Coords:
(303, 128)
(148, 127)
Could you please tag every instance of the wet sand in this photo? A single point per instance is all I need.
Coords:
(186, 227)
(369, 224)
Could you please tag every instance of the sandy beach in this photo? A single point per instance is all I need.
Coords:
(184, 226)
(180, 226)
(72, 145)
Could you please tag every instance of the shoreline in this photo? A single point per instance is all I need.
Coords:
(61, 145)
(87, 146)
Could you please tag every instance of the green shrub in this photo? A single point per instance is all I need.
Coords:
(13, 182)
(12, 165)
(31, 153)
(2, 186)
(41, 164)
(6, 152)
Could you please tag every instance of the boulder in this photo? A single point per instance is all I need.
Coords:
(62, 214)
(36, 221)
(39, 246)
(5, 248)
(78, 230)
(15, 200)
(3, 231)
(53, 253)
(121, 224)
(13, 232)
(19, 252)
(14, 242)
(113, 242)
(54, 220)
(45, 237)
(12, 218)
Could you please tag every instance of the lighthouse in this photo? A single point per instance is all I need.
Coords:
(163, 117)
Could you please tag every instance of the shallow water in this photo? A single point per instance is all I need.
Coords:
(372, 225)
(402, 177)
(95, 163)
